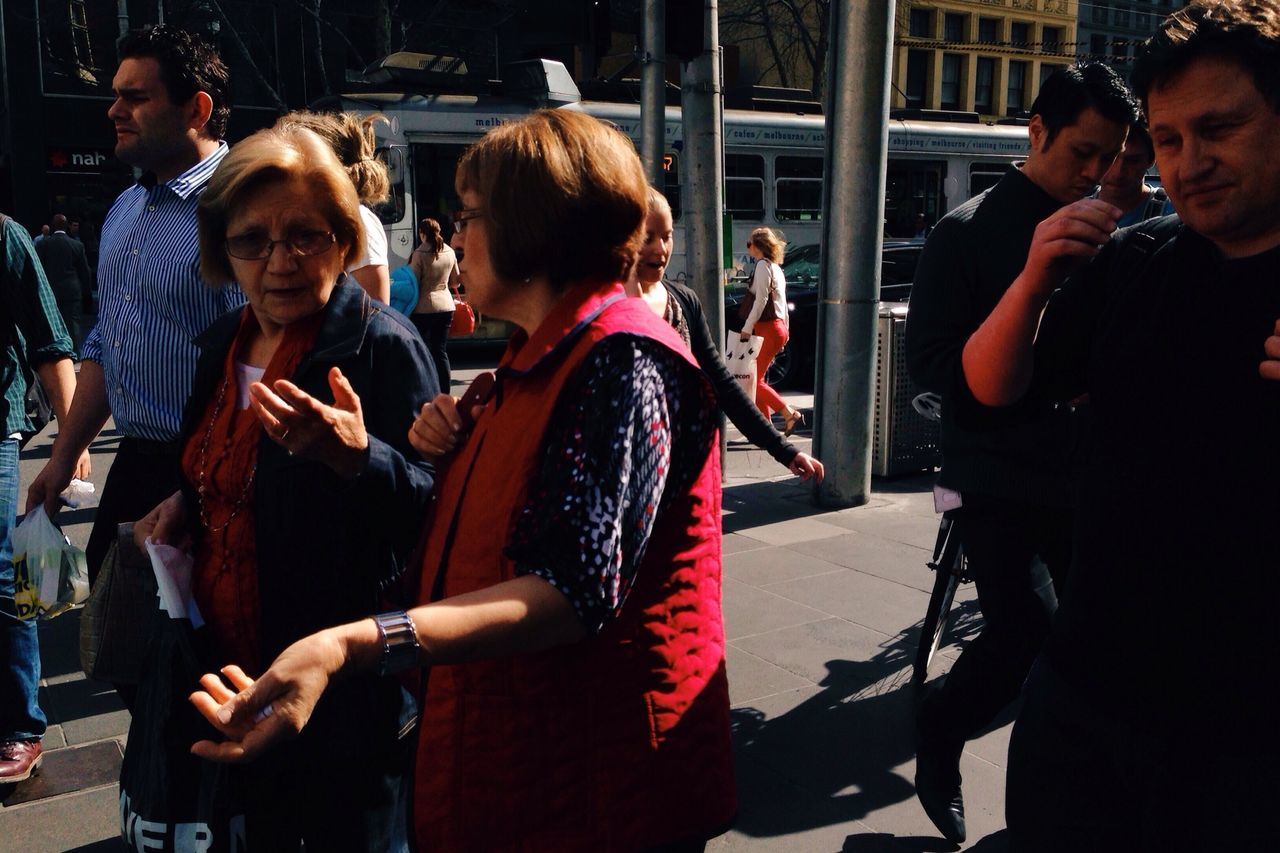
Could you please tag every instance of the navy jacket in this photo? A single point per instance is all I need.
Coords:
(327, 548)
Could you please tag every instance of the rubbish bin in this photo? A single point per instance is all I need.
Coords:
(903, 441)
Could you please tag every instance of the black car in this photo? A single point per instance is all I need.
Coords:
(794, 365)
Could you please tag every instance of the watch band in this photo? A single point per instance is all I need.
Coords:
(399, 642)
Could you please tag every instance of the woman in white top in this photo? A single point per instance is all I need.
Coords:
(351, 137)
(768, 319)
(435, 266)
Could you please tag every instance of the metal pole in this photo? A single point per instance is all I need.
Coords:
(122, 17)
(653, 89)
(858, 67)
(704, 171)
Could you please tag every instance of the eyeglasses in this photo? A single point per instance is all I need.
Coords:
(256, 246)
(462, 217)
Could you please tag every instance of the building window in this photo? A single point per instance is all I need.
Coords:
(1101, 13)
(985, 85)
(1017, 89)
(922, 23)
(917, 77)
(1120, 49)
(1020, 34)
(988, 30)
(1122, 16)
(744, 186)
(954, 27)
(1046, 71)
(1051, 40)
(951, 78)
(1098, 46)
(1142, 22)
(799, 188)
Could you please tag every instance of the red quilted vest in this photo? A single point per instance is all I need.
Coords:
(617, 742)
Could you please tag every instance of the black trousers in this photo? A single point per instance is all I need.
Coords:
(1018, 557)
(143, 474)
(1086, 776)
(434, 329)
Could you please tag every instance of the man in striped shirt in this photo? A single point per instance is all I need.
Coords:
(170, 114)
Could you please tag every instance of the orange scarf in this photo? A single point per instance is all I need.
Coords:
(220, 459)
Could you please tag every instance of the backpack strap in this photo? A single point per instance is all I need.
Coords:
(1141, 246)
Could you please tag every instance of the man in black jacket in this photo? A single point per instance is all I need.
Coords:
(1014, 523)
(1149, 721)
(67, 269)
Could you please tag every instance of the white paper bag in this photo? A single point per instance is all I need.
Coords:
(741, 356)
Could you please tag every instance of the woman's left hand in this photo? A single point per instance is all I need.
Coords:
(806, 467)
(304, 426)
(744, 336)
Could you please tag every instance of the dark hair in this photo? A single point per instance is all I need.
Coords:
(1069, 91)
(434, 238)
(552, 174)
(1244, 31)
(58, 222)
(1138, 133)
(188, 64)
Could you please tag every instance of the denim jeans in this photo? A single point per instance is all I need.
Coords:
(20, 714)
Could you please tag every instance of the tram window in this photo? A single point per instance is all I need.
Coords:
(798, 184)
(671, 183)
(983, 176)
(744, 186)
(391, 211)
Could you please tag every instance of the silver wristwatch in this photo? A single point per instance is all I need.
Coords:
(399, 642)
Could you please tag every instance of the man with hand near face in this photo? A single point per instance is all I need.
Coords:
(1124, 185)
(1148, 721)
(170, 114)
(1013, 479)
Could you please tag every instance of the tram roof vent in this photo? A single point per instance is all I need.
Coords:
(773, 99)
(545, 80)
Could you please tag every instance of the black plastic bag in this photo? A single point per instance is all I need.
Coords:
(170, 800)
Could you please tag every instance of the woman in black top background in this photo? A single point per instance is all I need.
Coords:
(679, 306)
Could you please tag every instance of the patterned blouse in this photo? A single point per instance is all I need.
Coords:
(632, 427)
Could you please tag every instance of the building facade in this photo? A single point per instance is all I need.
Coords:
(1113, 30)
(982, 56)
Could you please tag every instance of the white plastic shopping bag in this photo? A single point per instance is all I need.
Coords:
(51, 573)
(741, 356)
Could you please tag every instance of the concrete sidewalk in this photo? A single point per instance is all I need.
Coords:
(822, 610)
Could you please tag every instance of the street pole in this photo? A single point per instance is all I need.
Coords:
(653, 89)
(858, 60)
(704, 170)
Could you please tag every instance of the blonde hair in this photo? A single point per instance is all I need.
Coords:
(769, 244)
(353, 140)
(563, 195)
(272, 156)
(658, 203)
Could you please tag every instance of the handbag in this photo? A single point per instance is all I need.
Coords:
(115, 623)
(749, 302)
(464, 320)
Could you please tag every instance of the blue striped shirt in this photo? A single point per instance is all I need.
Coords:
(152, 302)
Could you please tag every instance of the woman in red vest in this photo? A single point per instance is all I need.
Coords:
(576, 697)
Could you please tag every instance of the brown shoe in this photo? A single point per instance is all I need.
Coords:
(19, 760)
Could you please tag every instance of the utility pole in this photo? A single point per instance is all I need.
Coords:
(653, 89)
(700, 94)
(852, 229)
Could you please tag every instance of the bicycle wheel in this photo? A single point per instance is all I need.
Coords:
(935, 621)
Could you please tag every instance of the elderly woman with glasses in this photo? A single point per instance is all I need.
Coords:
(302, 496)
(570, 592)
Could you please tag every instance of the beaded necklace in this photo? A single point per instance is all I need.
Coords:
(202, 479)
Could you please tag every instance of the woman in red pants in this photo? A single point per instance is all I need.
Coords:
(768, 319)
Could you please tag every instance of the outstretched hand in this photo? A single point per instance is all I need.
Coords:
(304, 426)
(1270, 366)
(276, 707)
(806, 467)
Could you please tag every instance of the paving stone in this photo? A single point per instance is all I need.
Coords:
(60, 645)
(792, 531)
(861, 598)
(875, 556)
(771, 564)
(832, 650)
(85, 822)
(748, 610)
(736, 544)
(113, 724)
(751, 678)
(81, 698)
